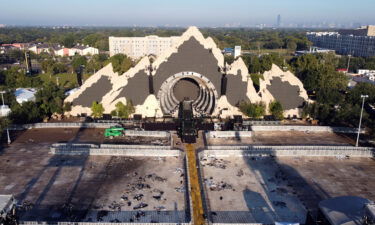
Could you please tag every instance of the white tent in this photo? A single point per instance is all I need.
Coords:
(25, 94)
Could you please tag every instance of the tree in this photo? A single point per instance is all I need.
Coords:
(123, 111)
(253, 110)
(67, 107)
(276, 110)
(97, 109)
(27, 112)
(78, 60)
(121, 63)
(49, 99)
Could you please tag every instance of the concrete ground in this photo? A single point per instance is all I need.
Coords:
(242, 190)
(286, 138)
(83, 135)
(314, 179)
(95, 188)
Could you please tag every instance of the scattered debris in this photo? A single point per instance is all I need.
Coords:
(240, 173)
(138, 197)
(214, 162)
(140, 206)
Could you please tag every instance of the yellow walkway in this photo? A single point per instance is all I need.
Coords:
(195, 194)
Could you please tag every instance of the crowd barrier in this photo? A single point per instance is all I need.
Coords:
(228, 134)
(61, 125)
(91, 223)
(306, 129)
(339, 151)
(116, 150)
(141, 133)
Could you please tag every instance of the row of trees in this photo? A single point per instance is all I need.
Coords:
(121, 111)
(258, 110)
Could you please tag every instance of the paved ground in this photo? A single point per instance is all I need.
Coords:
(316, 178)
(67, 188)
(83, 135)
(242, 190)
(286, 138)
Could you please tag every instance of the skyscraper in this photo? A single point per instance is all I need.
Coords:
(278, 20)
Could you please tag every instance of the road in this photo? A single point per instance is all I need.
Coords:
(195, 192)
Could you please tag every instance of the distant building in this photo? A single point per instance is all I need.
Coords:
(278, 22)
(83, 50)
(314, 50)
(136, 47)
(237, 51)
(357, 42)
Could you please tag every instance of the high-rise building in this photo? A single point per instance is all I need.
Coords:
(278, 20)
(356, 42)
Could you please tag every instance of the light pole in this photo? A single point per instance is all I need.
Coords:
(347, 68)
(360, 119)
(2, 97)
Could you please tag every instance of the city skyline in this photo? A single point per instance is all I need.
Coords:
(209, 13)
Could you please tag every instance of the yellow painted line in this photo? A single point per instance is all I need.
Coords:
(195, 194)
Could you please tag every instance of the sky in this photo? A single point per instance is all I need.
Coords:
(183, 13)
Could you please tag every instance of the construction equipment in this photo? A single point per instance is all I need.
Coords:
(114, 132)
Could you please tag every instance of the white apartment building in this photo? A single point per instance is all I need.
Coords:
(357, 42)
(136, 47)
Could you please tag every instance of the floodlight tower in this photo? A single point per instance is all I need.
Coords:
(360, 119)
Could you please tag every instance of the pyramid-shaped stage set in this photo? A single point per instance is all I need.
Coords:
(192, 69)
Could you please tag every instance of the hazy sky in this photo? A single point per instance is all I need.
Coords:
(183, 13)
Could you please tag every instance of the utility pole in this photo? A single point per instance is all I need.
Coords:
(360, 119)
(57, 80)
(2, 97)
(347, 68)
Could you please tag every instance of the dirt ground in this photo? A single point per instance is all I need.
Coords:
(314, 179)
(94, 188)
(286, 138)
(241, 190)
(264, 189)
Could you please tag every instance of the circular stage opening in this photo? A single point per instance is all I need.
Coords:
(186, 89)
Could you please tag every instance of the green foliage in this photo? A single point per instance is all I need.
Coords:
(253, 110)
(96, 62)
(255, 77)
(78, 60)
(276, 110)
(121, 63)
(15, 78)
(67, 107)
(123, 111)
(97, 109)
(49, 99)
(4, 123)
(27, 112)
(263, 63)
(229, 59)
(318, 74)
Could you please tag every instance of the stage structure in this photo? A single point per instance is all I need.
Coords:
(193, 69)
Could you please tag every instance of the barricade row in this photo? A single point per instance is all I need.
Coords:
(116, 152)
(160, 134)
(289, 147)
(108, 146)
(88, 223)
(228, 134)
(62, 125)
(367, 153)
(306, 129)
